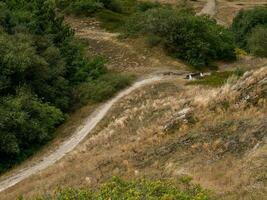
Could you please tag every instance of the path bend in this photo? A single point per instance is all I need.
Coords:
(88, 125)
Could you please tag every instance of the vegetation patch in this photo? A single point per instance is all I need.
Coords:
(117, 189)
(101, 89)
(217, 79)
(197, 40)
(249, 27)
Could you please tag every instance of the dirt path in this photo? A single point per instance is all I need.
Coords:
(89, 124)
(122, 58)
(209, 8)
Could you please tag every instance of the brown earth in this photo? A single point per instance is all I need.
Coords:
(123, 55)
(221, 147)
(216, 141)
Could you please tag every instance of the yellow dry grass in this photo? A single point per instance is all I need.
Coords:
(221, 143)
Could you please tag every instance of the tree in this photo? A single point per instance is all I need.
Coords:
(25, 120)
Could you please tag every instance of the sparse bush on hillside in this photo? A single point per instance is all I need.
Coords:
(117, 189)
(245, 22)
(197, 40)
(257, 41)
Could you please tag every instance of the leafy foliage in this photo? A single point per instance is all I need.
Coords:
(117, 189)
(257, 41)
(245, 22)
(197, 40)
(89, 7)
(217, 79)
(41, 66)
(84, 7)
(101, 89)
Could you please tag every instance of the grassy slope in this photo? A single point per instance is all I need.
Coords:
(219, 144)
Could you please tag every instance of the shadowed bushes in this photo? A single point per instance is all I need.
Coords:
(41, 65)
(197, 40)
(249, 27)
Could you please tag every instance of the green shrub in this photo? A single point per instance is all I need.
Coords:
(153, 40)
(117, 189)
(197, 40)
(257, 41)
(110, 20)
(25, 121)
(38, 53)
(103, 88)
(146, 5)
(113, 5)
(85, 7)
(244, 23)
(217, 79)
(89, 7)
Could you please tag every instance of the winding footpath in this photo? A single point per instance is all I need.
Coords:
(89, 124)
(209, 8)
(92, 120)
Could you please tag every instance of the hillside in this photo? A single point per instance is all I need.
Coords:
(207, 134)
(164, 136)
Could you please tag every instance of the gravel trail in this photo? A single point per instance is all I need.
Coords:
(88, 125)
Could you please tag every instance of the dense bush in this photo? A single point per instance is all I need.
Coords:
(245, 22)
(84, 7)
(117, 189)
(217, 79)
(24, 120)
(41, 66)
(89, 7)
(197, 40)
(102, 88)
(143, 6)
(257, 41)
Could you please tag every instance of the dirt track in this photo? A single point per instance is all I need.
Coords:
(209, 8)
(88, 125)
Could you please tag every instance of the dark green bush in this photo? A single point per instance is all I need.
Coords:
(245, 22)
(89, 7)
(41, 64)
(102, 88)
(217, 79)
(84, 7)
(146, 5)
(25, 122)
(197, 40)
(257, 41)
(111, 20)
(153, 40)
(113, 5)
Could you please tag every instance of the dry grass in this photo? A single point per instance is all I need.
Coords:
(123, 55)
(221, 143)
